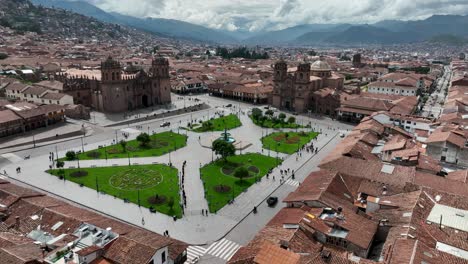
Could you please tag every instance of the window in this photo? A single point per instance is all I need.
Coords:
(58, 102)
(163, 257)
(444, 149)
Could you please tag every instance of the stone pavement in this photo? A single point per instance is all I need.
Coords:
(107, 119)
(41, 136)
(193, 228)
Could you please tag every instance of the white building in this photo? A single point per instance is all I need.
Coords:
(36, 94)
(405, 84)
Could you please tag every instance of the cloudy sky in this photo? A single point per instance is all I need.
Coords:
(255, 15)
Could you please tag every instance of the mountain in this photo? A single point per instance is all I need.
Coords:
(290, 34)
(448, 39)
(367, 34)
(174, 28)
(22, 16)
(435, 25)
(167, 27)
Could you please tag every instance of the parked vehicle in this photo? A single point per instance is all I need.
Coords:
(165, 124)
(272, 200)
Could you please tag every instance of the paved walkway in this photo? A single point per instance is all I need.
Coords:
(193, 228)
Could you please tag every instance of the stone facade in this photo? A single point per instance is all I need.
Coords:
(116, 92)
(297, 90)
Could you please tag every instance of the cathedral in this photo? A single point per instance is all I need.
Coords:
(306, 87)
(116, 92)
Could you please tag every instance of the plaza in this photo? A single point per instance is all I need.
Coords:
(227, 219)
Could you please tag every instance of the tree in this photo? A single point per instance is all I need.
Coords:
(144, 139)
(269, 113)
(123, 143)
(207, 53)
(3, 56)
(256, 113)
(241, 173)
(291, 120)
(70, 155)
(60, 164)
(223, 148)
(262, 119)
(282, 116)
(170, 202)
(207, 126)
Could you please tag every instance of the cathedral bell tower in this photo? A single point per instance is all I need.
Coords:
(111, 71)
(281, 70)
(161, 83)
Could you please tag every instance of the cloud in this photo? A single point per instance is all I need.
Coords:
(255, 15)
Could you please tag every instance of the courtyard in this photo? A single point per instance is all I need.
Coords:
(151, 186)
(287, 142)
(159, 144)
(220, 181)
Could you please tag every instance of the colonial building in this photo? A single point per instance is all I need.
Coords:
(114, 91)
(301, 89)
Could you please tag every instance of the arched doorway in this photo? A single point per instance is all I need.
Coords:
(144, 100)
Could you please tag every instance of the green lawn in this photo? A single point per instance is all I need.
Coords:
(160, 144)
(218, 124)
(268, 123)
(287, 144)
(123, 182)
(222, 173)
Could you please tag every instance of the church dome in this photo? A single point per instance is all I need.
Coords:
(320, 66)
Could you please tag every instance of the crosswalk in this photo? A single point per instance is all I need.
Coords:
(223, 249)
(292, 182)
(193, 252)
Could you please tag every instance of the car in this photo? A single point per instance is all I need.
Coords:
(165, 124)
(272, 200)
(228, 105)
(342, 135)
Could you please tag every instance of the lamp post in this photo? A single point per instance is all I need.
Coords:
(116, 138)
(82, 145)
(34, 142)
(56, 154)
(97, 185)
(105, 151)
(128, 156)
(277, 153)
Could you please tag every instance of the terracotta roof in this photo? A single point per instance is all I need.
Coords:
(458, 175)
(272, 254)
(125, 250)
(371, 170)
(35, 90)
(53, 96)
(88, 250)
(312, 187)
(9, 116)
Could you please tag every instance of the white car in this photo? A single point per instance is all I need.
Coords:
(342, 135)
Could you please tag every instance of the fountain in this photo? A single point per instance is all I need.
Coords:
(227, 137)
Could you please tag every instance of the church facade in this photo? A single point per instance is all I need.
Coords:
(307, 87)
(116, 92)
